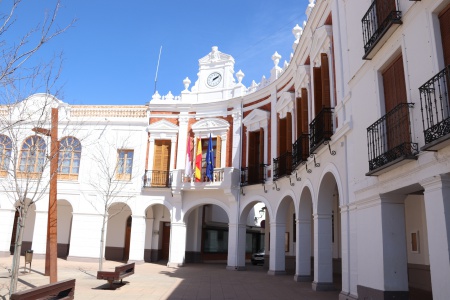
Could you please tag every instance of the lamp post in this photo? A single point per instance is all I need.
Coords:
(51, 251)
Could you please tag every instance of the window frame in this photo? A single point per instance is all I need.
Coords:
(5, 154)
(121, 172)
(42, 149)
(71, 175)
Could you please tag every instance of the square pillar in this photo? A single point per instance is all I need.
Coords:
(303, 251)
(323, 253)
(236, 252)
(137, 241)
(177, 244)
(277, 254)
(437, 211)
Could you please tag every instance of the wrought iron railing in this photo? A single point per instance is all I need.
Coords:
(434, 104)
(157, 179)
(300, 150)
(377, 20)
(321, 128)
(389, 138)
(282, 165)
(217, 176)
(253, 174)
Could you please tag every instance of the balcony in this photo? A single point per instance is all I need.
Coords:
(434, 105)
(378, 24)
(300, 150)
(282, 166)
(218, 176)
(254, 175)
(389, 141)
(157, 179)
(321, 129)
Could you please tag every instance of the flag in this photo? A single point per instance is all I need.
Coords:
(210, 160)
(188, 167)
(198, 161)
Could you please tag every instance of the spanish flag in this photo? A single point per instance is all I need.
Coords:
(198, 161)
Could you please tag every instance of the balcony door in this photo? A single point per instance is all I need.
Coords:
(444, 21)
(255, 156)
(384, 9)
(397, 118)
(161, 163)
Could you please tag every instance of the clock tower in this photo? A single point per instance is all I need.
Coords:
(215, 77)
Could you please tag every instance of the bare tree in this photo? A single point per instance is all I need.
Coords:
(113, 160)
(25, 172)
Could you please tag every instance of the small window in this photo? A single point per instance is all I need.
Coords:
(5, 154)
(69, 158)
(32, 155)
(124, 164)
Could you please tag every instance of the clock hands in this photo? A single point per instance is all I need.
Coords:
(214, 79)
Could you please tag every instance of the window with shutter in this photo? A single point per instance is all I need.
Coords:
(325, 79)
(444, 21)
(161, 163)
(384, 9)
(282, 136)
(289, 132)
(317, 77)
(298, 113)
(218, 152)
(304, 106)
(397, 123)
(254, 155)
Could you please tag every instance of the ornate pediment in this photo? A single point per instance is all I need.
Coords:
(321, 41)
(215, 56)
(285, 104)
(256, 119)
(214, 126)
(162, 126)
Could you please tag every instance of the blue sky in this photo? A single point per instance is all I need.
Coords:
(111, 53)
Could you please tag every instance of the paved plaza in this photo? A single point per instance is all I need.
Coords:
(156, 281)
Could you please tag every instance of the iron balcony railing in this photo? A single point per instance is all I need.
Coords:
(434, 104)
(218, 176)
(389, 138)
(282, 165)
(378, 19)
(300, 150)
(253, 174)
(321, 128)
(157, 179)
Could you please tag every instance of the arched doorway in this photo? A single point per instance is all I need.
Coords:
(157, 233)
(27, 239)
(116, 242)
(304, 267)
(327, 237)
(64, 227)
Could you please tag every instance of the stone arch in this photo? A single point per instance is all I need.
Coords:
(64, 213)
(305, 230)
(158, 217)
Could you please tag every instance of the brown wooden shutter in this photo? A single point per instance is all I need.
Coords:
(384, 9)
(317, 90)
(251, 150)
(289, 132)
(325, 72)
(304, 105)
(261, 146)
(282, 136)
(444, 20)
(298, 113)
(218, 152)
(161, 159)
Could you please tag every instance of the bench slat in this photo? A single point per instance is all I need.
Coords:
(64, 289)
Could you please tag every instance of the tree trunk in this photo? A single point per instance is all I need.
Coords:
(17, 249)
(102, 243)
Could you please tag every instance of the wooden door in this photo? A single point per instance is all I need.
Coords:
(254, 156)
(397, 121)
(165, 241)
(126, 252)
(161, 163)
(317, 77)
(325, 79)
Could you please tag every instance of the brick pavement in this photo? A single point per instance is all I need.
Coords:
(156, 281)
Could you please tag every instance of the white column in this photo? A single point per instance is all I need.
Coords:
(151, 153)
(173, 141)
(182, 140)
(6, 228)
(345, 251)
(39, 245)
(85, 236)
(277, 254)
(237, 139)
(437, 211)
(137, 241)
(236, 253)
(303, 250)
(177, 244)
(273, 127)
(323, 253)
(223, 151)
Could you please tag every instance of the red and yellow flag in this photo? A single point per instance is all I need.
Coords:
(198, 161)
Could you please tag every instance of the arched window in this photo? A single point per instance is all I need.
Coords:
(32, 155)
(5, 154)
(69, 158)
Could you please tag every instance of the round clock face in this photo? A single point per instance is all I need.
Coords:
(214, 79)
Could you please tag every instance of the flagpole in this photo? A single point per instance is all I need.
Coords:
(157, 68)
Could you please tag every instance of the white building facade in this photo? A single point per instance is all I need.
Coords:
(337, 165)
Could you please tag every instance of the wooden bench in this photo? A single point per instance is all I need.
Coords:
(120, 272)
(64, 289)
